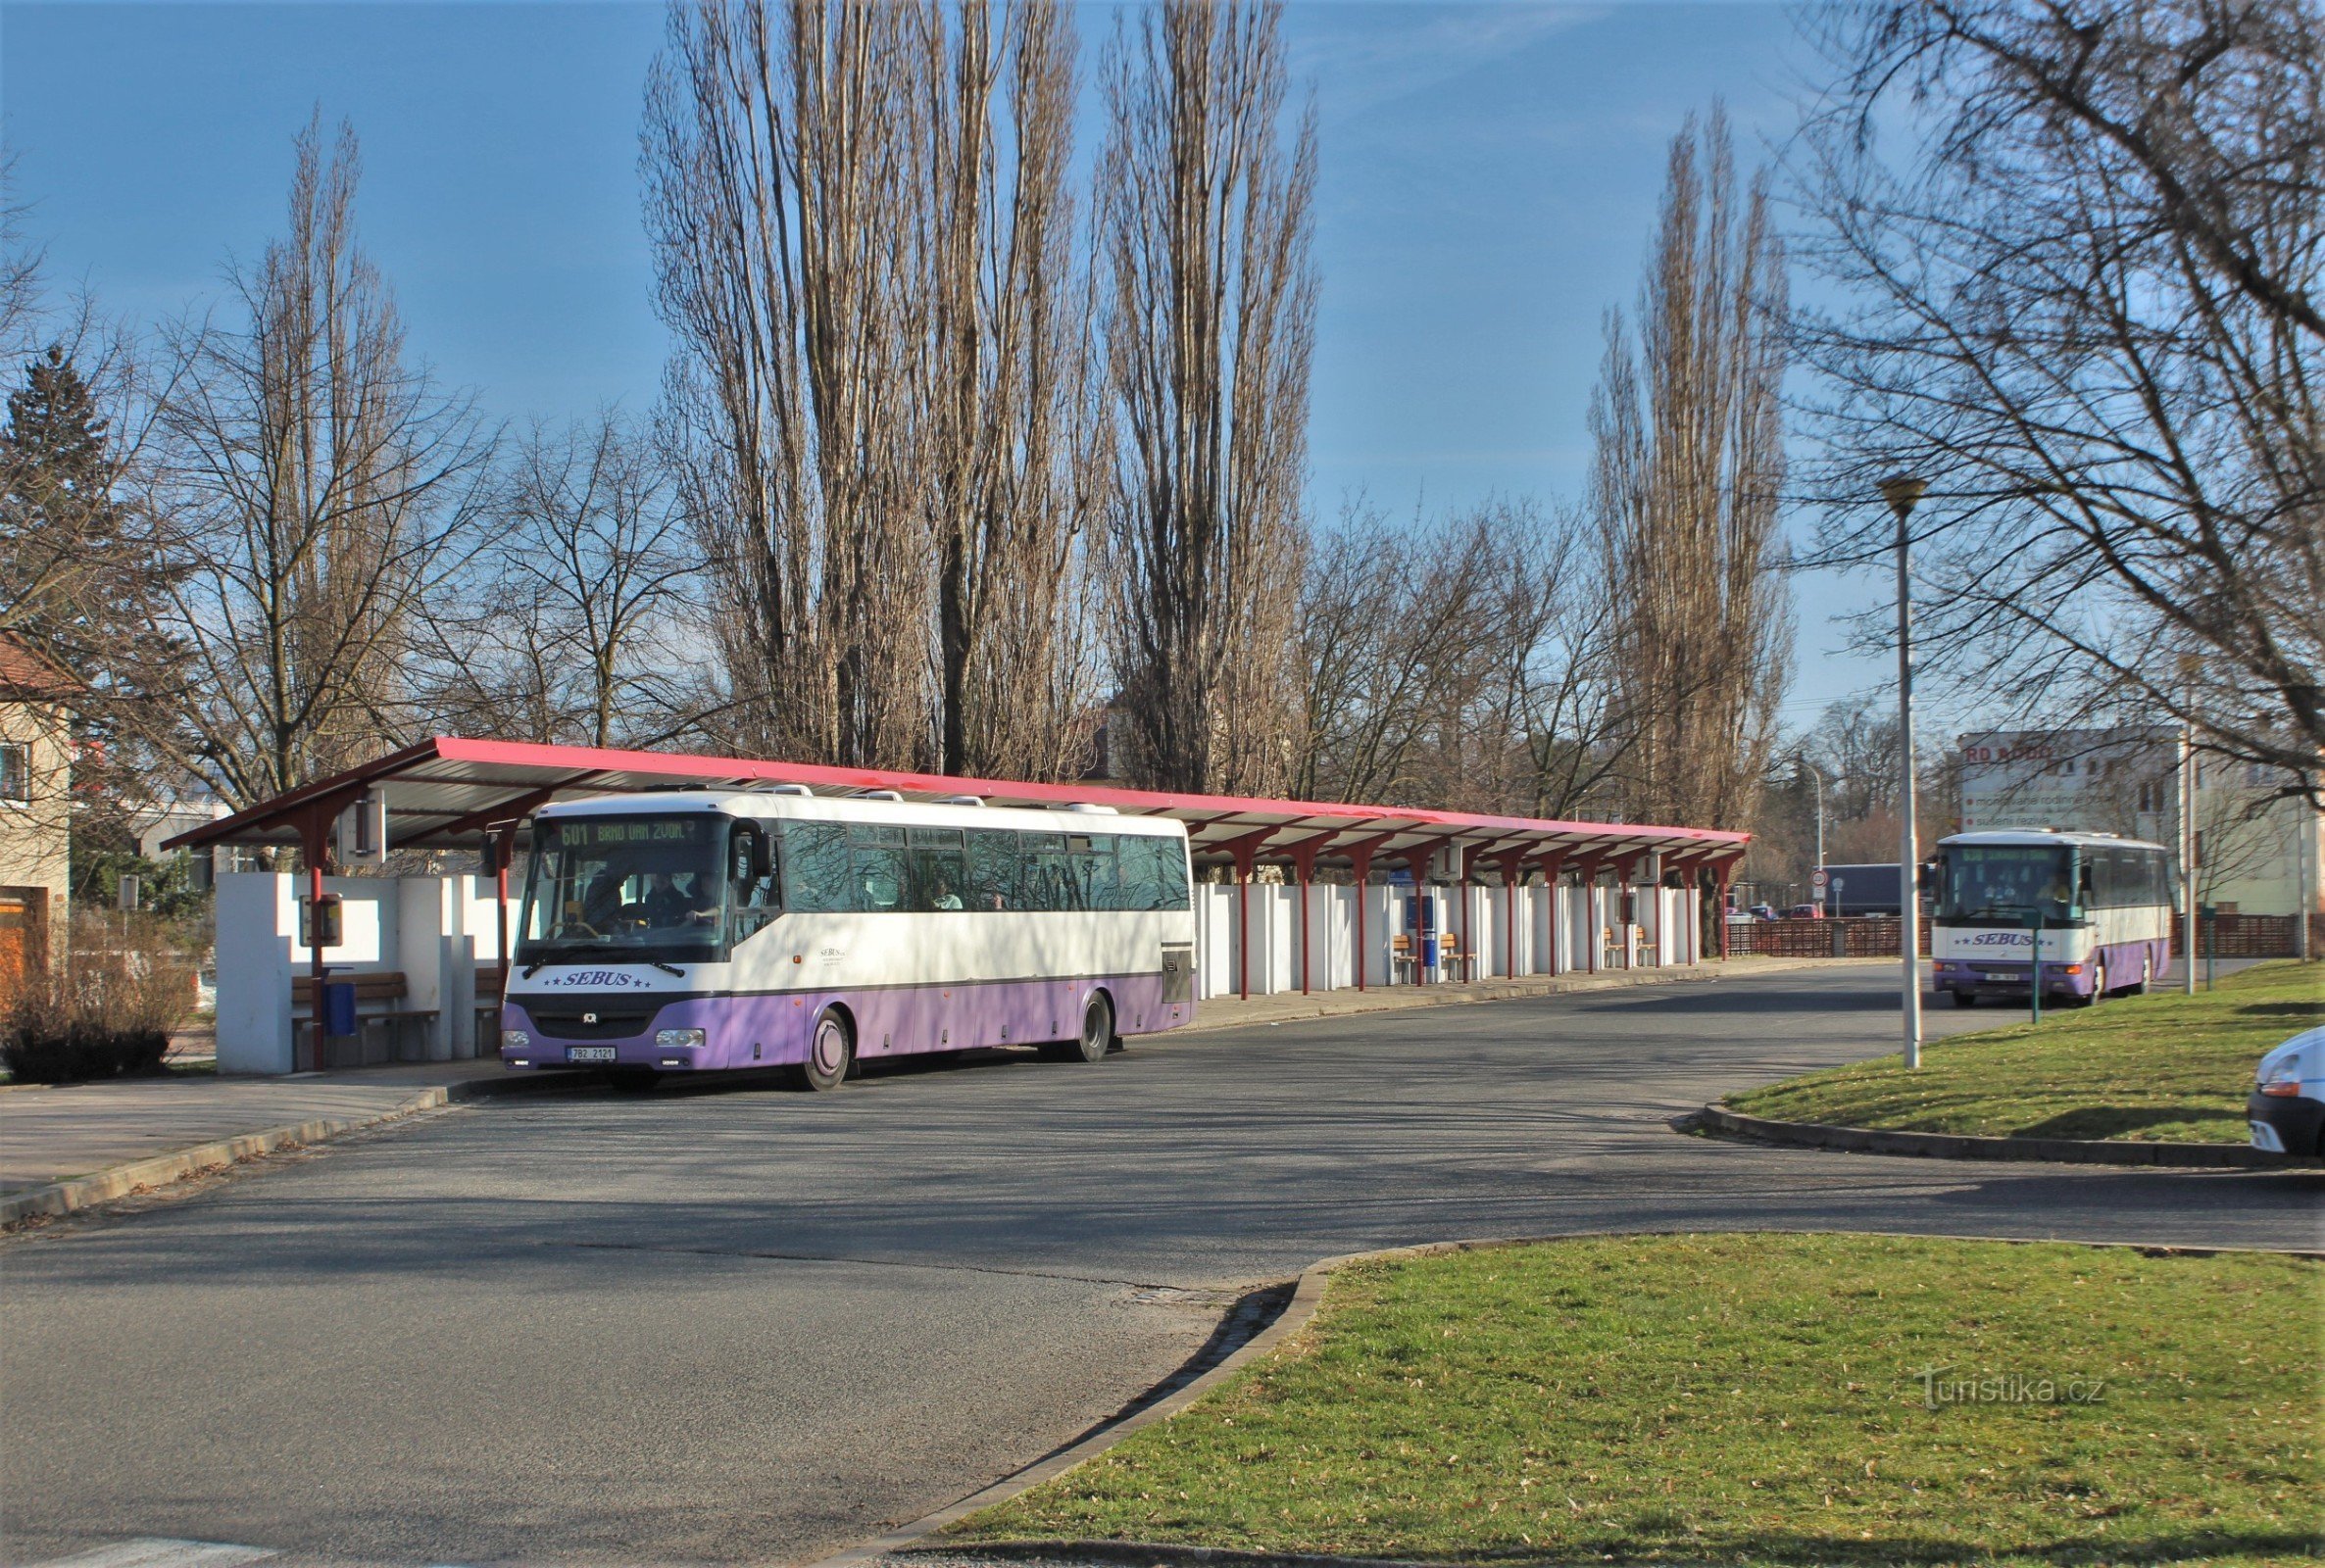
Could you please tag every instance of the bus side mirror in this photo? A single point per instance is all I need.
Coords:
(752, 857)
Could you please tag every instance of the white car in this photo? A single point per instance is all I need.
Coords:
(2287, 1106)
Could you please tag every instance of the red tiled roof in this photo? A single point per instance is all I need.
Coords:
(26, 671)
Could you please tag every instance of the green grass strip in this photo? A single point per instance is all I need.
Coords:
(1736, 1398)
(2164, 1066)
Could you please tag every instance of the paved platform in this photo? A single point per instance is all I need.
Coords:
(54, 1134)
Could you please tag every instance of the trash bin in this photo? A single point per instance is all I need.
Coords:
(338, 1007)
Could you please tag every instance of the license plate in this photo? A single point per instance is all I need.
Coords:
(1991, 976)
(589, 1052)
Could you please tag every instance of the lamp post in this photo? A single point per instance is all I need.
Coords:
(1821, 782)
(1900, 491)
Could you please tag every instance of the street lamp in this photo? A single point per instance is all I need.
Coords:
(1900, 491)
(1816, 895)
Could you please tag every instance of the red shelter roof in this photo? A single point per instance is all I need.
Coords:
(449, 793)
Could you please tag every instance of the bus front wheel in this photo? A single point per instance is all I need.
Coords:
(831, 1052)
(1097, 1036)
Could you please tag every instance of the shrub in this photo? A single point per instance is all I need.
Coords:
(106, 1013)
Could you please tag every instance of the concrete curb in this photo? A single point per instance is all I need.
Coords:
(1961, 1146)
(1157, 1554)
(161, 1170)
(1307, 1296)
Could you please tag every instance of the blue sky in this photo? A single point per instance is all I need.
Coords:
(1490, 175)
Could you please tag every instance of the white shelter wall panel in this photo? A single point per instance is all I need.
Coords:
(1381, 920)
(1215, 954)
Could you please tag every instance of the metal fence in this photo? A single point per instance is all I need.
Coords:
(2231, 935)
(1861, 936)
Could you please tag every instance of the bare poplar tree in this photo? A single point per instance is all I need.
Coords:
(1685, 483)
(1205, 230)
(780, 154)
(1012, 461)
(2085, 305)
(581, 625)
(327, 495)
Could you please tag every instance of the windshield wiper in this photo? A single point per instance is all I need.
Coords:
(666, 968)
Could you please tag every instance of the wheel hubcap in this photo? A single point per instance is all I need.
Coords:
(831, 1047)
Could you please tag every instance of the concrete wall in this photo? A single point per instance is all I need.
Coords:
(434, 930)
(1546, 930)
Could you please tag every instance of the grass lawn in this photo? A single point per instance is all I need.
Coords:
(1748, 1398)
(2163, 1066)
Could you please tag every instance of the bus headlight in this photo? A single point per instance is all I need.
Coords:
(514, 1040)
(678, 1039)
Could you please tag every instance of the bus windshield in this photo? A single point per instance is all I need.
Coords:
(2005, 883)
(648, 889)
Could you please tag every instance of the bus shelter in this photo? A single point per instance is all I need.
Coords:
(1301, 895)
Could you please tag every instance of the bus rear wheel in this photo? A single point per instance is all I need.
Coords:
(1097, 1036)
(831, 1052)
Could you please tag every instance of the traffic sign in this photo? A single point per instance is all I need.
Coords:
(1817, 879)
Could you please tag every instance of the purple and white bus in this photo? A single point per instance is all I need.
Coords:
(2104, 904)
(733, 929)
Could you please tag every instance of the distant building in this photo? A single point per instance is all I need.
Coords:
(36, 802)
(2255, 854)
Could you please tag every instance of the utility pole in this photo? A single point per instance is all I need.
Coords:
(1900, 491)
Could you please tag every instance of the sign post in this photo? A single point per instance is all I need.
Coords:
(2034, 933)
(1819, 881)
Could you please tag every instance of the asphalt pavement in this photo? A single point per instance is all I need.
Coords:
(734, 1324)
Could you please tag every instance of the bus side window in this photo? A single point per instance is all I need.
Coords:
(1172, 854)
(1139, 869)
(877, 860)
(1042, 871)
(816, 868)
(992, 868)
(940, 869)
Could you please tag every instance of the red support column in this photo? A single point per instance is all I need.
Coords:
(1462, 892)
(504, 846)
(1243, 920)
(1720, 903)
(1305, 860)
(1362, 857)
(314, 849)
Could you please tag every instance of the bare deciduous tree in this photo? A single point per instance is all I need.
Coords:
(1205, 224)
(327, 494)
(1460, 662)
(1685, 489)
(581, 621)
(2086, 308)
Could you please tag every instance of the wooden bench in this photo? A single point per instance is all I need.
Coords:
(379, 996)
